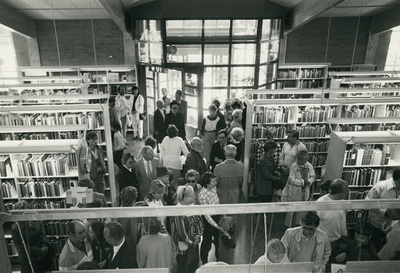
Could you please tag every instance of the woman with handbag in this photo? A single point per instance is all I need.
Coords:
(301, 176)
(138, 114)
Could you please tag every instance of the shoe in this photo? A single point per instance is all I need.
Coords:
(228, 243)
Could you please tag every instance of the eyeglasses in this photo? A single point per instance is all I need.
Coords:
(191, 180)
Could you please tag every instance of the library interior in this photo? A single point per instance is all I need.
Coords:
(191, 136)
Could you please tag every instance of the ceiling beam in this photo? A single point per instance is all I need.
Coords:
(386, 20)
(307, 10)
(17, 21)
(117, 12)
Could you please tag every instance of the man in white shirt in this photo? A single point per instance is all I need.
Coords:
(123, 254)
(333, 222)
(388, 189)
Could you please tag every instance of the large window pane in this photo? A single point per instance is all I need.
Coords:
(262, 75)
(237, 93)
(216, 30)
(214, 94)
(243, 53)
(242, 76)
(271, 29)
(216, 54)
(192, 116)
(245, 28)
(183, 28)
(216, 76)
(185, 54)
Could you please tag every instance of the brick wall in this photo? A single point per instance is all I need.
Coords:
(308, 44)
(75, 42)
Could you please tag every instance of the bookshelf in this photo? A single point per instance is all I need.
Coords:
(362, 158)
(99, 79)
(302, 76)
(45, 133)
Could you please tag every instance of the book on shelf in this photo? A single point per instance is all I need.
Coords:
(8, 190)
(42, 188)
(365, 176)
(5, 166)
(43, 165)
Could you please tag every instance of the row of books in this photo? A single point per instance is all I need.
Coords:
(43, 187)
(362, 155)
(303, 73)
(271, 114)
(355, 111)
(354, 128)
(393, 127)
(42, 136)
(11, 249)
(92, 119)
(43, 165)
(57, 245)
(317, 160)
(354, 217)
(56, 228)
(308, 84)
(392, 111)
(316, 146)
(364, 176)
(8, 189)
(5, 166)
(315, 114)
(260, 131)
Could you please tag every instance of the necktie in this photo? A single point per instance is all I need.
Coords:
(149, 168)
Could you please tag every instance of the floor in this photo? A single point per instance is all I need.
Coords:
(249, 229)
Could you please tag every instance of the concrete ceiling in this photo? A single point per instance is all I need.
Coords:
(93, 9)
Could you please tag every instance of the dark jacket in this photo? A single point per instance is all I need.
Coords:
(159, 125)
(216, 151)
(178, 121)
(101, 250)
(126, 178)
(239, 147)
(183, 110)
(125, 258)
(266, 178)
(195, 161)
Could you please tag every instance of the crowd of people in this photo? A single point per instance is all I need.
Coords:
(212, 174)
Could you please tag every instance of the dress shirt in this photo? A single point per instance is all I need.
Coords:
(116, 248)
(382, 190)
(148, 167)
(289, 153)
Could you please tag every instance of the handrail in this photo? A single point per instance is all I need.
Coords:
(247, 208)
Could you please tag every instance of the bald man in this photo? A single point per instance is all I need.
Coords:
(229, 175)
(195, 160)
(77, 249)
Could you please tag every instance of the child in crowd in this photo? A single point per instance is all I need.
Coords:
(119, 143)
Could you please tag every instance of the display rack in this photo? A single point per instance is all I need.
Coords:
(302, 76)
(100, 79)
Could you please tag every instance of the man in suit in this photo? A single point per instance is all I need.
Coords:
(217, 154)
(146, 171)
(176, 118)
(123, 253)
(159, 122)
(126, 177)
(195, 160)
(182, 104)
